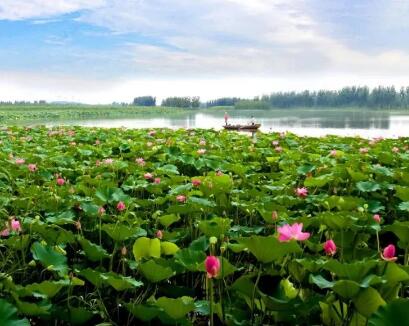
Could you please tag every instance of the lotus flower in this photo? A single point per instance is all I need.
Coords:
(108, 161)
(212, 264)
(202, 142)
(302, 192)
(101, 210)
(121, 206)
(275, 142)
(330, 248)
(292, 232)
(278, 149)
(32, 167)
(157, 181)
(5, 233)
(159, 234)
(377, 218)
(60, 181)
(140, 161)
(20, 161)
(363, 150)
(181, 198)
(196, 182)
(97, 142)
(219, 173)
(395, 150)
(148, 176)
(152, 133)
(274, 216)
(15, 225)
(389, 253)
(201, 151)
(333, 153)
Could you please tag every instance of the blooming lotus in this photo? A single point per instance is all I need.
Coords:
(278, 149)
(121, 206)
(219, 173)
(389, 253)
(5, 233)
(275, 142)
(395, 150)
(60, 181)
(196, 182)
(181, 198)
(108, 161)
(32, 167)
(15, 225)
(212, 265)
(333, 153)
(202, 142)
(330, 248)
(101, 210)
(201, 151)
(363, 150)
(156, 181)
(140, 161)
(302, 192)
(292, 232)
(148, 176)
(20, 161)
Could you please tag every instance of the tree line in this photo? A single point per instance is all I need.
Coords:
(355, 96)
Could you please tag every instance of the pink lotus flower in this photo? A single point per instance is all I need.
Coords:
(219, 173)
(108, 161)
(159, 234)
(121, 206)
(275, 142)
(389, 253)
(32, 167)
(73, 143)
(148, 176)
(149, 144)
(278, 149)
(196, 182)
(395, 149)
(302, 192)
(377, 218)
(15, 225)
(363, 150)
(202, 142)
(20, 161)
(212, 265)
(101, 210)
(97, 163)
(201, 151)
(5, 233)
(292, 232)
(282, 134)
(333, 153)
(274, 216)
(330, 248)
(152, 133)
(140, 161)
(156, 181)
(60, 181)
(97, 142)
(181, 198)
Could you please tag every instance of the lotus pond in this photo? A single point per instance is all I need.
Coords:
(133, 227)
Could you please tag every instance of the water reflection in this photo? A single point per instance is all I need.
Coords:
(303, 122)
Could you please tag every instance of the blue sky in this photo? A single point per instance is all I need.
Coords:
(99, 51)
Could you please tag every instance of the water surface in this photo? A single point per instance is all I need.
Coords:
(343, 122)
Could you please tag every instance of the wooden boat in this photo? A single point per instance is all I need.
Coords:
(250, 127)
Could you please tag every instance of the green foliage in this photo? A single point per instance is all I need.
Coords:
(80, 259)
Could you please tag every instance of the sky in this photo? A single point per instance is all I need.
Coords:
(101, 51)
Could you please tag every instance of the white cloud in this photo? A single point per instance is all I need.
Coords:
(28, 9)
(209, 48)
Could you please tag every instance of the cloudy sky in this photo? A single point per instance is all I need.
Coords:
(99, 51)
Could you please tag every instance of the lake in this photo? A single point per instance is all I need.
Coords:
(347, 122)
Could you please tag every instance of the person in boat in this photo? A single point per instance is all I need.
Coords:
(226, 117)
(252, 121)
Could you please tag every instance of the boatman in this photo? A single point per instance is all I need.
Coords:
(226, 117)
(253, 121)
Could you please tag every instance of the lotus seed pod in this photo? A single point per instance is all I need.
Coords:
(213, 240)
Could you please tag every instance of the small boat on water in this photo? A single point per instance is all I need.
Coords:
(249, 127)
